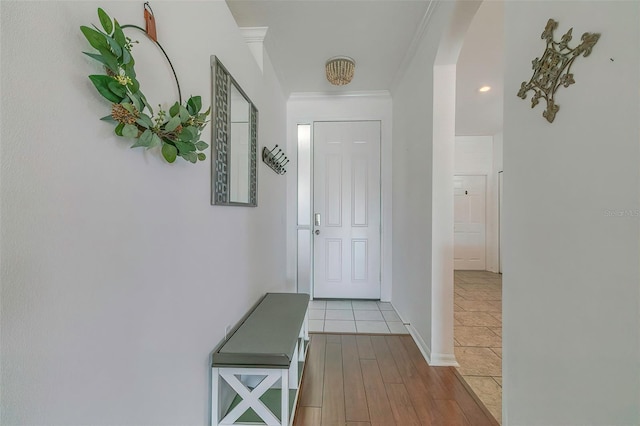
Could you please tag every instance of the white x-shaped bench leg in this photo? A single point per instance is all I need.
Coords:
(251, 398)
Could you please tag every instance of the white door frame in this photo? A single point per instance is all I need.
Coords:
(305, 108)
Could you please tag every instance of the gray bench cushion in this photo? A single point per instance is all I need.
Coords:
(268, 336)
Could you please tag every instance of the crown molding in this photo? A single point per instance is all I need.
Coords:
(254, 34)
(413, 46)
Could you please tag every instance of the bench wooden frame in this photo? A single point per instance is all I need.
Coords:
(242, 374)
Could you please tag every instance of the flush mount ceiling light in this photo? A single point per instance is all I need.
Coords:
(484, 89)
(340, 70)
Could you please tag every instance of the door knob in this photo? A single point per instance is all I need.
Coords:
(317, 232)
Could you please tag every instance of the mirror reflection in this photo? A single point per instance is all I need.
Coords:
(234, 144)
(239, 148)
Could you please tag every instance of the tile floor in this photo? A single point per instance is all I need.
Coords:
(478, 335)
(354, 316)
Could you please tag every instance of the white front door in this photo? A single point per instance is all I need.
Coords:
(346, 220)
(469, 222)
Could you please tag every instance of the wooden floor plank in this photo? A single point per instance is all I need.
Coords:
(377, 400)
(333, 338)
(471, 405)
(444, 384)
(401, 405)
(364, 347)
(447, 413)
(475, 397)
(355, 402)
(333, 392)
(313, 380)
(419, 394)
(429, 376)
(387, 364)
(309, 416)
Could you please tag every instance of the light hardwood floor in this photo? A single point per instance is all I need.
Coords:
(379, 380)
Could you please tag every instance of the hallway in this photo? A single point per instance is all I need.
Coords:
(478, 335)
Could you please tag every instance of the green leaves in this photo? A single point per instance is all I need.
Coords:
(101, 82)
(115, 47)
(118, 35)
(126, 56)
(177, 132)
(105, 21)
(190, 156)
(155, 141)
(184, 115)
(95, 39)
(145, 121)
(117, 89)
(188, 134)
(130, 131)
(172, 124)
(136, 101)
(194, 105)
(174, 110)
(108, 61)
(147, 139)
(169, 152)
(185, 147)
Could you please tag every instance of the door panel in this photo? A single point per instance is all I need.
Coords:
(469, 222)
(347, 198)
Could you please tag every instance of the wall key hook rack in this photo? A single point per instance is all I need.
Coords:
(277, 160)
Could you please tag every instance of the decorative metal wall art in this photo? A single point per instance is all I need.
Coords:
(554, 69)
(277, 160)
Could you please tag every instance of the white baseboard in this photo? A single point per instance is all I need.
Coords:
(444, 360)
(433, 359)
(420, 343)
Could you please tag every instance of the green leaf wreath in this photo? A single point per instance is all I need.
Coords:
(178, 133)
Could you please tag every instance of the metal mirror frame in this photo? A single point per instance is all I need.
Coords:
(220, 137)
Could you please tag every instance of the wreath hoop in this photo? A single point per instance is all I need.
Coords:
(178, 132)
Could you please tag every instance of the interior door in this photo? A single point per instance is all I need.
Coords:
(469, 222)
(346, 219)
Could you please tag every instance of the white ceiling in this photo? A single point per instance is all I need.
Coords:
(377, 34)
(480, 63)
(302, 35)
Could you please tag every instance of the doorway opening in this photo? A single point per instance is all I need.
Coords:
(477, 183)
(339, 209)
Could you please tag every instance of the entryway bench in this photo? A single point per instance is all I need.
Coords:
(256, 371)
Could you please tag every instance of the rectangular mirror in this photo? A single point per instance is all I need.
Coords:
(234, 142)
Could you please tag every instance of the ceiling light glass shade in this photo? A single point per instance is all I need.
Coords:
(340, 70)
